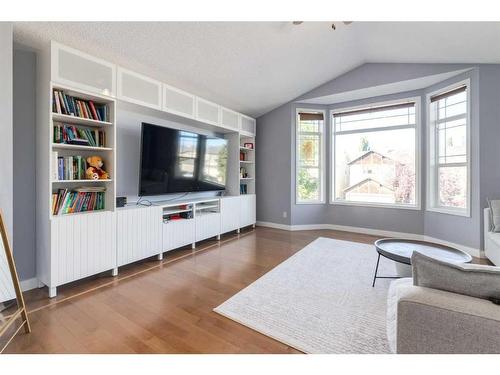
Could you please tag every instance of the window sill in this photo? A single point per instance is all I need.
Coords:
(448, 211)
(309, 203)
(377, 205)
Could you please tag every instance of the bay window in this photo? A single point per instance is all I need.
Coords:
(374, 155)
(310, 151)
(449, 155)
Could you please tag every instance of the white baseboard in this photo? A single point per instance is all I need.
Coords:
(374, 232)
(29, 284)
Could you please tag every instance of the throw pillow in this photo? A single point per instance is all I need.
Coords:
(495, 214)
(473, 280)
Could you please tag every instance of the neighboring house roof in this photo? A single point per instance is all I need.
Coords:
(365, 181)
(367, 153)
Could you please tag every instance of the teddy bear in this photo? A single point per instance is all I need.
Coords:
(94, 171)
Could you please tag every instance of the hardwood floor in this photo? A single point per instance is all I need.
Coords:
(166, 307)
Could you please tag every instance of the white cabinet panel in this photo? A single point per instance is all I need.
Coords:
(247, 125)
(207, 225)
(178, 233)
(82, 245)
(230, 214)
(247, 213)
(178, 102)
(138, 234)
(230, 119)
(79, 70)
(138, 89)
(207, 111)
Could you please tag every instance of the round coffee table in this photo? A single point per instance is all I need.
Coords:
(400, 250)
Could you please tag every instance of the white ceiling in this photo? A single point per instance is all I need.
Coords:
(254, 67)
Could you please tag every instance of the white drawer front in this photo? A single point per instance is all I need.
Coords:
(138, 234)
(82, 245)
(207, 112)
(178, 102)
(80, 70)
(138, 89)
(230, 119)
(248, 125)
(207, 225)
(247, 213)
(230, 214)
(178, 233)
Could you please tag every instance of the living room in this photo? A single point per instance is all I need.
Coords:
(272, 187)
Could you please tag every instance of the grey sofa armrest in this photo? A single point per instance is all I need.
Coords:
(423, 320)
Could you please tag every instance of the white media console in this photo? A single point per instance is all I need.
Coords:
(146, 231)
(72, 245)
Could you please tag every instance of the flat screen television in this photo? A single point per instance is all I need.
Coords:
(178, 161)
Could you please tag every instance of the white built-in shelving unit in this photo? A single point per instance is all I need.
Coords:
(78, 245)
(247, 164)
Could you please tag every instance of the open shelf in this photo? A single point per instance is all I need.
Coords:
(80, 181)
(246, 148)
(246, 178)
(79, 147)
(247, 161)
(175, 211)
(206, 207)
(68, 119)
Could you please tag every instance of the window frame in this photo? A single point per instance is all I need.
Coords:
(418, 155)
(322, 160)
(432, 155)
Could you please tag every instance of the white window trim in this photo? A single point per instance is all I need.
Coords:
(431, 152)
(322, 168)
(418, 172)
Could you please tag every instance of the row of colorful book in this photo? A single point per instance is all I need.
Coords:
(80, 200)
(78, 135)
(68, 167)
(243, 189)
(70, 105)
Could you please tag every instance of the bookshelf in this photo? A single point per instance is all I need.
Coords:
(247, 164)
(92, 120)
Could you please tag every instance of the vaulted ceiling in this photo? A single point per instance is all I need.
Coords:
(253, 67)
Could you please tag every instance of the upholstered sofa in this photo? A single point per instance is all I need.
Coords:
(425, 320)
(491, 240)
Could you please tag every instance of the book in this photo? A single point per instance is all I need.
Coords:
(70, 168)
(68, 202)
(55, 165)
(69, 105)
(78, 135)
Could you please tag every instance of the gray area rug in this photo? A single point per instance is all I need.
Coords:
(320, 300)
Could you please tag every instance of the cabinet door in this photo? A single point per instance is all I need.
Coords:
(230, 214)
(230, 119)
(207, 225)
(207, 111)
(178, 102)
(82, 245)
(138, 89)
(247, 214)
(178, 233)
(247, 125)
(79, 70)
(138, 234)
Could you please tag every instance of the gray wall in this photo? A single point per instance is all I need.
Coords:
(273, 172)
(277, 126)
(6, 144)
(489, 133)
(24, 157)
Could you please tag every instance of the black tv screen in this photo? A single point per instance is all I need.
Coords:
(178, 161)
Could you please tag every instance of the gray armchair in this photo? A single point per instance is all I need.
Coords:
(425, 320)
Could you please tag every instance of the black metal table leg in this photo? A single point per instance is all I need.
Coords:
(376, 270)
